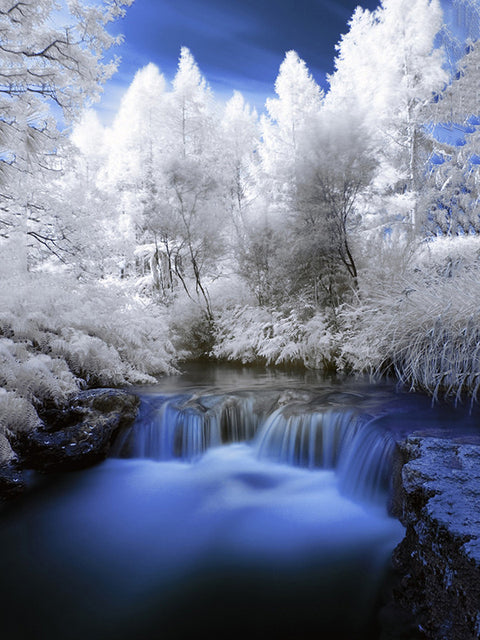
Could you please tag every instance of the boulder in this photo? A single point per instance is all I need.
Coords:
(12, 481)
(439, 558)
(78, 436)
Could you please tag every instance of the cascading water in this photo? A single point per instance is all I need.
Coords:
(185, 426)
(296, 433)
(233, 513)
(331, 439)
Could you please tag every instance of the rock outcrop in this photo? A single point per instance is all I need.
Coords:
(439, 558)
(78, 436)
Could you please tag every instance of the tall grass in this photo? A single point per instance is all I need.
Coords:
(425, 331)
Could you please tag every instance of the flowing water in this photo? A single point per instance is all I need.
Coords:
(240, 504)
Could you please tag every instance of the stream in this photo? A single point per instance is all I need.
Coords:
(241, 504)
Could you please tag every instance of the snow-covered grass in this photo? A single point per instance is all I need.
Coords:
(58, 335)
(426, 332)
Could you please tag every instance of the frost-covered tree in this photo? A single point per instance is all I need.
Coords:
(133, 175)
(298, 100)
(278, 177)
(391, 92)
(51, 56)
(192, 178)
(451, 195)
(240, 132)
(87, 214)
(337, 166)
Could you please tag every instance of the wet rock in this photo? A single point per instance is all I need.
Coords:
(78, 436)
(12, 481)
(439, 558)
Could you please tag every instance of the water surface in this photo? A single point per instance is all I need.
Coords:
(238, 535)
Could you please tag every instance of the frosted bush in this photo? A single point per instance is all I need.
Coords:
(426, 332)
(250, 334)
(102, 332)
(36, 377)
(6, 451)
(16, 413)
(320, 344)
(240, 333)
(57, 335)
(448, 256)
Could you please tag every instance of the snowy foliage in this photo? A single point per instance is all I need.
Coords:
(335, 231)
(250, 334)
(51, 62)
(58, 335)
(423, 328)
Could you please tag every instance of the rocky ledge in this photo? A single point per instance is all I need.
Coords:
(73, 438)
(439, 559)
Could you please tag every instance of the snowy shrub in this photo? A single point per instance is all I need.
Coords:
(57, 335)
(6, 451)
(426, 332)
(34, 376)
(191, 329)
(16, 413)
(448, 256)
(251, 334)
(105, 335)
(320, 344)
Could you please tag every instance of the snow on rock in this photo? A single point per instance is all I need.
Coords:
(80, 436)
(439, 559)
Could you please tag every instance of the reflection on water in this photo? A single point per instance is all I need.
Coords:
(229, 543)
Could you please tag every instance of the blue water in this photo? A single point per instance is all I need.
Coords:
(226, 544)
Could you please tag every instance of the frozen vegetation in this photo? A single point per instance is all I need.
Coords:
(338, 230)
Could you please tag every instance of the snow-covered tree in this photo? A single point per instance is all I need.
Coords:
(299, 99)
(278, 176)
(337, 166)
(391, 91)
(239, 128)
(51, 57)
(192, 178)
(133, 173)
(451, 195)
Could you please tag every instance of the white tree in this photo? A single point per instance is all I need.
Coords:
(299, 100)
(387, 70)
(193, 179)
(452, 192)
(278, 177)
(133, 172)
(51, 54)
(240, 132)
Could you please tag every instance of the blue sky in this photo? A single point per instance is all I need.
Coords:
(238, 44)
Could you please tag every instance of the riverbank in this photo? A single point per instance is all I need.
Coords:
(77, 436)
(439, 559)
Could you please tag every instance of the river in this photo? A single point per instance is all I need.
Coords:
(242, 503)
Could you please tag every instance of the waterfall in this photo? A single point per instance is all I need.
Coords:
(298, 433)
(360, 453)
(185, 426)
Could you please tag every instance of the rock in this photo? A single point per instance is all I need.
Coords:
(12, 481)
(439, 558)
(80, 436)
